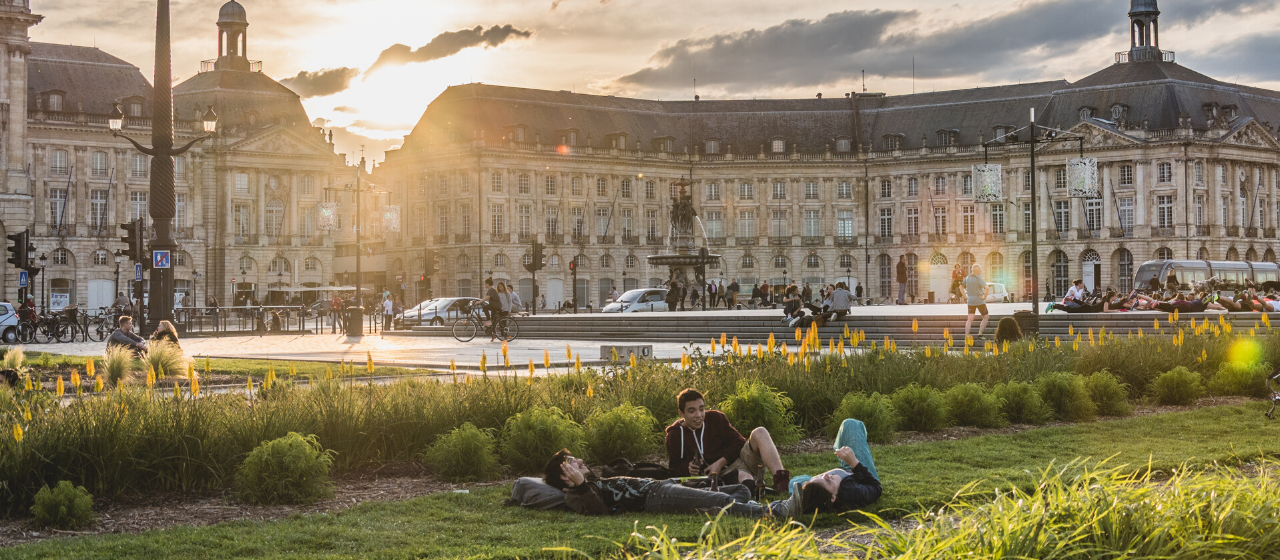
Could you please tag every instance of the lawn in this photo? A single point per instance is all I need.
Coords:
(475, 525)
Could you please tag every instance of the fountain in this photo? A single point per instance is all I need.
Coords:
(683, 257)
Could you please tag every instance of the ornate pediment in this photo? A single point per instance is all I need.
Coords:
(1253, 135)
(1096, 136)
(280, 142)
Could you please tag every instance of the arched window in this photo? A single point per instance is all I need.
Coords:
(779, 262)
(1026, 272)
(527, 259)
(1061, 272)
(1124, 270)
(246, 264)
(499, 260)
(606, 261)
(1251, 255)
(1269, 256)
(812, 261)
(312, 264)
(61, 257)
(1164, 254)
(1203, 254)
(846, 261)
(581, 261)
(1233, 254)
(913, 272)
(632, 261)
(179, 258)
(464, 262)
(747, 262)
(101, 257)
(278, 264)
(966, 262)
(995, 268)
(275, 218)
(553, 261)
(886, 275)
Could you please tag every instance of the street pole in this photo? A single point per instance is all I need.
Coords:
(1035, 228)
(359, 249)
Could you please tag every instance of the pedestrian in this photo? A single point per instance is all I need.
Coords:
(693, 298)
(807, 293)
(766, 297)
(542, 303)
(388, 311)
(516, 304)
(857, 294)
(976, 288)
(213, 306)
(673, 295)
(902, 280)
(734, 288)
(684, 294)
(712, 293)
(613, 294)
(335, 314)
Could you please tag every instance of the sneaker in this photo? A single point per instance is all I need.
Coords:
(782, 481)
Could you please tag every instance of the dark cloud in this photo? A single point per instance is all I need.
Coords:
(1245, 59)
(1192, 13)
(321, 82)
(447, 44)
(838, 46)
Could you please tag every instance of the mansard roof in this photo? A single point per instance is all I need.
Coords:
(236, 96)
(85, 75)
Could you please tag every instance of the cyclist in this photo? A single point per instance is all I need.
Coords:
(492, 307)
(28, 310)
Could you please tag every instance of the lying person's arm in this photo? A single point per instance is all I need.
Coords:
(859, 489)
(585, 499)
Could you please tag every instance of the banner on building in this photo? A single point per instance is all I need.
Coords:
(988, 182)
(328, 215)
(390, 219)
(1082, 178)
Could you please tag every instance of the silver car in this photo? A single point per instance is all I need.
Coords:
(636, 301)
(438, 311)
(8, 324)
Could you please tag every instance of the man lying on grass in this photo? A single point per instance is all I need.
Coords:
(703, 443)
(588, 494)
(854, 485)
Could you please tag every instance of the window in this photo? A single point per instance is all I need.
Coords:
(844, 190)
(812, 261)
(526, 220)
(98, 164)
(602, 187)
(651, 223)
(308, 226)
(307, 184)
(628, 228)
(1164, 254)
(1199, 210)
(180, 210)
(1124, 270)
(1226, 204)
(101, 258)
(278, 264)
(779, 224)
(940, 220)
(602, 221)
(1126, 175)
(275, 218)
(1026, 180)
(135, 109)
(886, 188)
(939, 185)
(913, 187)
(312, 264)
(713, 191)
(651, 190)
(968, 217)
(242, 183)
(1222, 174)
(746, 191)
(98, 208)
(913, 221)
(55, 101)
(243, 216)
(525, 184)
(1244, 201)
(495, 181)
(1061, 215)
(442, 220)
(1026, 272)
(747, 262)
(712, 147)
(551, 220)
(1199, 172)
(844, 145)
(779, 191)
(779, 146)
(137, 205)
(715, 224)
(779, 262)
(58, 162)
(139, 168)
(1164, 172)
(464, 262)
(1061, 273)
(812, 223)
(179, 167)
(631, 261)
(997, 218)
(626, 188)
(913, 274)
(1164, 211)
(811, 191)
(498, 219)
(499, 260)
(846, 261)
(606, 261)
(1060, 178)
(886, 222)
(464, 217)
(551, 185)
(844, 223)
(464, 184)
(746, 223)
(966, 185)
(1026, 217)
(995, 267)
(57, 206)
(61, 257)
(886, 275)
(1093, 214)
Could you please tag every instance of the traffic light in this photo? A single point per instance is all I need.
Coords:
(538, 259)
(428, 263)
(573, 267)
(132, 240)
(18, 253)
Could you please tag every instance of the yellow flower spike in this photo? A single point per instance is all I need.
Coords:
(97, 383)
(1031, 347)
(75, 379)
(1251, 332)
(1091, 333)
(1071, 330)
(1076, 345)
(1175, 315)
(1006, 347)
(1140, 332)
(177, 393)
(590, 392)
(504, 348)
(1204, 355)
(613, 354)
(946, 332)
(26, 413)
(530, 367)
(772, 341)
(797, 334)
(966, 350)
(968, 340)
(191, 367)
(736, 349)
(1266, 320)
(17, 433)
(632, 355)
(546, 358)
(195, 388)
(1057, 343)
(369, 361)
(26, 382)
(927, 352)
(248, 384)
(831, 345)
(791, 359)
(724, 339)
(729, 358)
(88, 367)
(1155, 324)
(484, 362)
(840, 347)
(995, 351)
(846, 331)
(915, 326)
(844, 362)
(151, 379)
(568, 353)
(577, 362)
(713, 346)
(1227, 328)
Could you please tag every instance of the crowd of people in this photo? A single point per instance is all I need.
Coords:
(1080, 300)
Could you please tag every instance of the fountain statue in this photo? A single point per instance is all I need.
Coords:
(682, 256)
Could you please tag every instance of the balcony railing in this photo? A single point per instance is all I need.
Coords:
(967, 238)
(526, 238)
(442, 239)
(554, 238)
(1060, 235)
(462, 238)
(715, 241)
(1162, 232)
(653, 240)
(911, 239)
(499, 237)
(779, 241)
(418, 241)
(937, 238)
(279, 240)
(846, 241)
(884, 240)
(606, 239)
(1233, 231)
(740, 241)
(60, 231)
(1202, 231)
(318, 241)
(183, 233)
(630, 239)
(813, 241)
(251, 239)
(1023, 236)
(1269, 233)
(1118, 232)
(100, 231)
(1251, 232)
(578, 239)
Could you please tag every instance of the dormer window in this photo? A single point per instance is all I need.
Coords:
(948, 137)
(135, 108)
(663, 144)
(844, 145)
(1117, 112)
(779, 146)
(253, 118)
(712, 146)
(55, 101)
(517, 134)
(1228, 111)
(1086, 113)
(893, 142)
(572, 139)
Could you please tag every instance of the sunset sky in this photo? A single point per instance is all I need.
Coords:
(657, 48)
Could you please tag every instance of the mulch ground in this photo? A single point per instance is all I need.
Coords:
(402, 481)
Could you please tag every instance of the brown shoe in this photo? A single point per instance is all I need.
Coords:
(781, 481)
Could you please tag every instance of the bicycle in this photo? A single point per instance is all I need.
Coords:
(472, 321)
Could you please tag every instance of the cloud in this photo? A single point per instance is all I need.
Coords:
(345, 109)
(1240, 59)
(448, 43)
(803, 52)
(1191, 13)
(321, 82)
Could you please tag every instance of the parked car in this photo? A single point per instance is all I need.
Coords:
(636, 301)
(439, 311)
(996, 293)
(8, 324)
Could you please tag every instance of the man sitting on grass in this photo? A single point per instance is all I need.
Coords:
(703, 442)
(125, 338)
(587, 494)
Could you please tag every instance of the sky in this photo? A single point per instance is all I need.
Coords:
(368, 68)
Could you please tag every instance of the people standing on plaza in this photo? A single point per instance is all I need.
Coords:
(335, 313)
(857, 293)
(684, 295)
(388, 312)
(807, 293)
(902, 280)
(734, 288)
(542, 303)
(492, 307)
(702, 442)
(976, 288)
(766, 298)
(613, 294)
(712, 293)
(516, 305)
(673, 295)
(693, 298)
(957, 276)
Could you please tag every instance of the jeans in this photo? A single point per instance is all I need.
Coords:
(902, 293)
(335, 320)
(670, 497)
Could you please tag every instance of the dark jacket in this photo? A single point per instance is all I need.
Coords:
(858, 490)
(125, 339)
(719, 439)
(902, 272)
(607, 496)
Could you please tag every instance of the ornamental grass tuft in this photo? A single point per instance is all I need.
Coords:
(875, 411)
(531, 437)
(624, 431)
(293, 469)
(1178, 386)
(756, 405)
(465, 454)
(920, 409)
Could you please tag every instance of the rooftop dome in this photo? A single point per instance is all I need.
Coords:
(1136, 7)
(233, 12)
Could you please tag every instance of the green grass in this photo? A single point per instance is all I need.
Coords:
(916, 477)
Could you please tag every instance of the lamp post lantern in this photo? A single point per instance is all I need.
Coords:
(162, 205)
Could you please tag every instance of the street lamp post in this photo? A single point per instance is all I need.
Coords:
(195, 283)
(162, 204)
(119, 259)
(44, 286)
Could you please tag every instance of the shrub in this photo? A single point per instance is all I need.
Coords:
(118, 361)
(971, 405)
(876, 411)
(1021, 403)
(64, 507)
(756, 405)
(920, 409)
(465, 454)
(13, 358)
(531, 437)
(1108, 394)
(1067, 397)
(626, 431)
(1235, 378)
(289, 470)
(1178, 386)
(166, 359)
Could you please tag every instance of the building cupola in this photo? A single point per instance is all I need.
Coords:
(233, 38)
(1144, 31)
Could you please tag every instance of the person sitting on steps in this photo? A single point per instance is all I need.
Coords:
(703, 442)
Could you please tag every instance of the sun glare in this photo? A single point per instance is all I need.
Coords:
(1245, 351)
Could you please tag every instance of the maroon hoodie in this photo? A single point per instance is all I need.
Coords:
(718, 437)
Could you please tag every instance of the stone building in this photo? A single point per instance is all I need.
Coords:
(819, 190)
(246, 198)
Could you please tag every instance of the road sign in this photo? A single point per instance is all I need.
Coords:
(137, 272)
(22, 278)
(160, 258)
